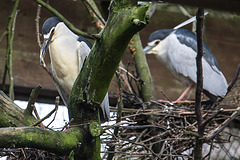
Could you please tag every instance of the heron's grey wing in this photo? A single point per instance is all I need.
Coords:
(64, 95)
(184, 62)
(189, 39)
(83, 52)
(105, 107)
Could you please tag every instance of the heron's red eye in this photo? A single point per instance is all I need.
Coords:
(157, 42)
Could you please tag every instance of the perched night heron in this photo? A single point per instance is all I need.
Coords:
(67, 54)
(177, 50)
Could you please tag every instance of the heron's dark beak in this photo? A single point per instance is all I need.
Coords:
(147, 49)
(46, 43)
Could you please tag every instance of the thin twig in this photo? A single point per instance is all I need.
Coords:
(123, 69)
(32, 99)
(212, 117)
(91, 4)
(48, 115)
(56, 107)
(166, 96)
(37, 115)
(66, 125)
(37, 25)
(119, 114)
(224, 124)
(3, 35)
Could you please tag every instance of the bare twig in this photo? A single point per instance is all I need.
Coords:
(123, 69)
(165, 96)
(3, 35)
(66, 125)
(56, 107)
(37, 25)
(224, 124)
(49, 114)
(32, 99)
(119, 114)
(90, 4)
(123, 74)
(38, 117)
(212, 117)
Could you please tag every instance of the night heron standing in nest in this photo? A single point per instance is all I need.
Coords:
(177, 50)
(67, 54)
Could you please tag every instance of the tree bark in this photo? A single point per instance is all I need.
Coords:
(146, 84)
(11, 115)
(199, 86)
(61, 143)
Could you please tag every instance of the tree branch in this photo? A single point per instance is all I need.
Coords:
(15, 115)
(64, 142)
(8, 58)
(199, 87)
(146, 86)
(32, 99)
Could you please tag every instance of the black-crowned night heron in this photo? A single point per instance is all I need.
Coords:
(177, 50)
(67, 53)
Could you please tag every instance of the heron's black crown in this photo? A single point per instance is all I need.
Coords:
(50, 23)
(160, 34)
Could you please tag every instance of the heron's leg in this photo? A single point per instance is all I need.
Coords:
(190, 86)
(184, 93)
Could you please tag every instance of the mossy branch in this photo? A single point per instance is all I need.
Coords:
(64, 142)
(146, 87)
(11, 115)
